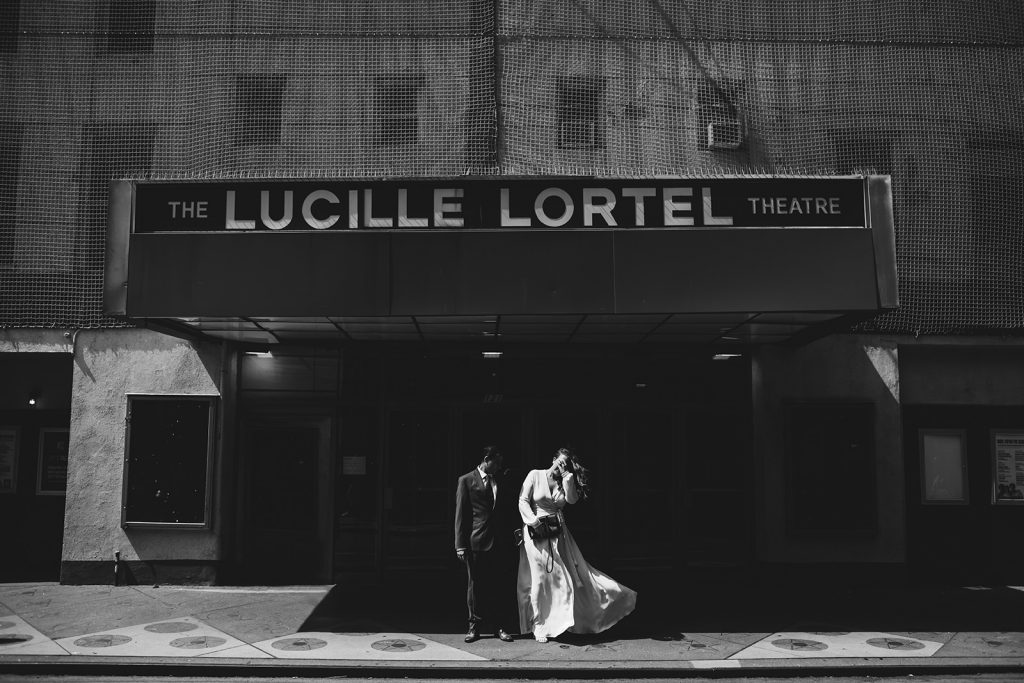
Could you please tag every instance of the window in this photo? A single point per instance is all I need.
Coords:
(130, 25)
(859, 151)
(258, 109)
(830, 463)
(995, 281)
(10, 156)
(168, 465)
(398, 109)
(9, 26)
(580, 125)
(111, 151)
(718, 113)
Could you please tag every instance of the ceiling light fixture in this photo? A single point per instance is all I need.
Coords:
(726, 356)
(492, 354)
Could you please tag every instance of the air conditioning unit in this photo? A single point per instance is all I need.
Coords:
(577, 134)
(725, 135)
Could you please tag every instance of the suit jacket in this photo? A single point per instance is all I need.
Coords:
(479, 523)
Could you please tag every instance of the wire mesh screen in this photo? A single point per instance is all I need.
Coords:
(929, 92)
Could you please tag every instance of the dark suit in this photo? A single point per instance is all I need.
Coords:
(484, 530)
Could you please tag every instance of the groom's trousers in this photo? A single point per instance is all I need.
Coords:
(486, 592)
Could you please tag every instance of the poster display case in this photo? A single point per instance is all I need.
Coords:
(1007, 467)
(52, 468)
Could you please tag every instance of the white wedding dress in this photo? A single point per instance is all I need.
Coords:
(558, 591)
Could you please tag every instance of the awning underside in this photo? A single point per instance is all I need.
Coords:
(649, 329)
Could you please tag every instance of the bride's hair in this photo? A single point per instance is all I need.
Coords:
(579, 471)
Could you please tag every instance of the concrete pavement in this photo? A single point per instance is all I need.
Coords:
(400, 629)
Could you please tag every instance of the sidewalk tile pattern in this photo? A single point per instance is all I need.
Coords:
(796, 645)
(18, 638)
(177, 637)
(378, 646)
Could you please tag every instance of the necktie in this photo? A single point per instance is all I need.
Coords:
(487, 483)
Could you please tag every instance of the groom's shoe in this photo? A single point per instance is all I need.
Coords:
(503, 635)
(473, 635)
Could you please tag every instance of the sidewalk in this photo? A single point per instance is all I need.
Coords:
(313, 630)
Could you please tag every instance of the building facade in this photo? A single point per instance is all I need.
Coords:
(217, 394)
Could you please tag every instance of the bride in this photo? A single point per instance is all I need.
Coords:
(558, 591)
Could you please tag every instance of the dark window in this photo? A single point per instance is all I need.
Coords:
(580, 124)
(995, 249)
(258, 108)
(168, 465)
(130, 25)
(113, 151)
(862, 151)
(830, 468)
(9, 25)
(10, 155)
(398, 109)
(718, 112)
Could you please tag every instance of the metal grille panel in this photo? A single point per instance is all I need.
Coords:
(929, 92)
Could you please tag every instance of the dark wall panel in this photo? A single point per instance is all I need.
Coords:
(543, 271)
(306, 274)
(744, 271)
(509, 272)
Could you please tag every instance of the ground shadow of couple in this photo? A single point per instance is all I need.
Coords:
(669, 609)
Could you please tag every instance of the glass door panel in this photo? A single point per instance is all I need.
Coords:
(419, 490)
(643, 474)
(287, 537)
(357, 490)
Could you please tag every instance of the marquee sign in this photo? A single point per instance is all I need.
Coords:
(498, 203)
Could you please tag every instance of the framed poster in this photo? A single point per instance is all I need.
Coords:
(8, 459)
(943, 466)
(1007, 467)
(52, 472)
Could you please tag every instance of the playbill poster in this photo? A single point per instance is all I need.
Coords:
(1009, 466)
(8, 459)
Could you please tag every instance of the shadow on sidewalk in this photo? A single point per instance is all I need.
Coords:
(668, 609)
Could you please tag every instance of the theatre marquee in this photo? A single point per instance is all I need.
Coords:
(282, 248)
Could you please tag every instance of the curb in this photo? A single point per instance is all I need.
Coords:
(727, 668)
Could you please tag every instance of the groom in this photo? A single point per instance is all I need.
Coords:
(483, 542)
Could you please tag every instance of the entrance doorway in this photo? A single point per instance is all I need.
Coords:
(366, 486)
